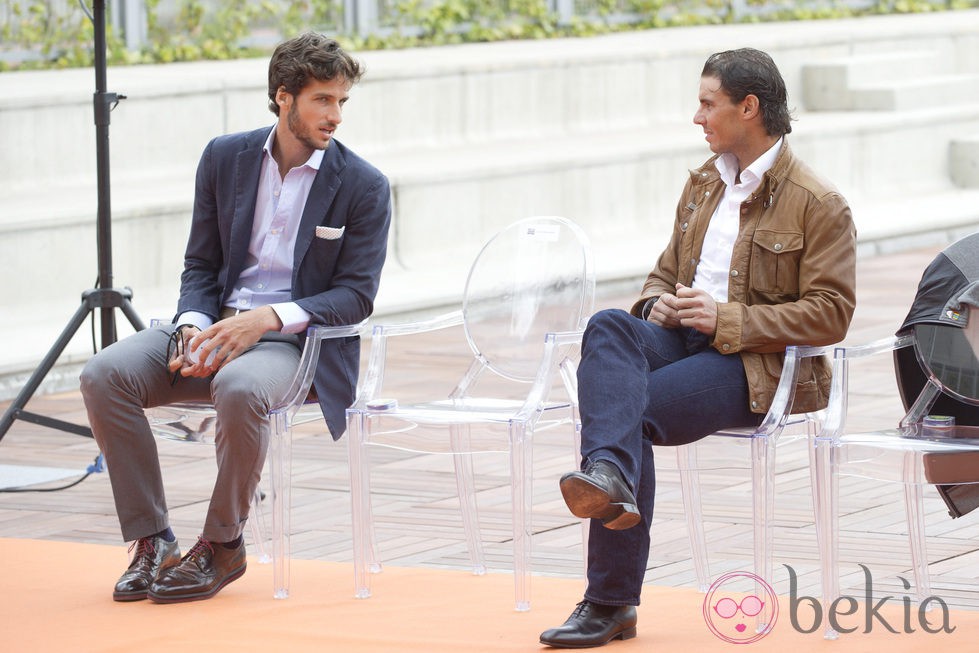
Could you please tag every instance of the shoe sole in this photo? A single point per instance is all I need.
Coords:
(588, 501)
(126, 597)
(199, 596)
(628, 633)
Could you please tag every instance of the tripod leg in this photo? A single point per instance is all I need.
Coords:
(127, 309)
(45, 366)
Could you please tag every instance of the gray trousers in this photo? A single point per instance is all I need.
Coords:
(130, 375)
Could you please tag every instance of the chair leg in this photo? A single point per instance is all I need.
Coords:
(686, 457)
(365, 560)
(763, 498)
(824, 468)
(521, 479)
(280, 466)
(585, 523)
(915, 508)
(466, 489)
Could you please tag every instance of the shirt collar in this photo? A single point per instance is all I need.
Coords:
(314, 161)
(727, 166)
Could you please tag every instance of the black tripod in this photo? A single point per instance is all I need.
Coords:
(104, 297)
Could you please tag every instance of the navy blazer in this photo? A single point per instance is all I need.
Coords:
(335, 281)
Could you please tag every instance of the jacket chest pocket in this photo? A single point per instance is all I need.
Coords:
(322, 256)
(775, 257)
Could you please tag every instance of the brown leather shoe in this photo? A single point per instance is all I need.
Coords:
(600, 492)
(591, 625)
(152, 555)
(201, 574)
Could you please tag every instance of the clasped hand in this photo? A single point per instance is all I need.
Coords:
(689, 307)
(230, 337)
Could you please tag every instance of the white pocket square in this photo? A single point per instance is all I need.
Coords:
(330, 233)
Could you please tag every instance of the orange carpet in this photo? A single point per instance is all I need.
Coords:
(57, 597)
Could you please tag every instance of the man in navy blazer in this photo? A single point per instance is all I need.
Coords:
(289, 229)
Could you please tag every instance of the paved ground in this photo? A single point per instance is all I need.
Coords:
(414, 498)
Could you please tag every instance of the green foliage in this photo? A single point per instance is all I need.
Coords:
(442, 22)
(35, 34)
(197, 34)
(59, 37)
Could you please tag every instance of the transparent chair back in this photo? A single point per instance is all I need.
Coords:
(531, 279)
(527, 298)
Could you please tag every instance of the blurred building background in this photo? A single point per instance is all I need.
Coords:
(473, 137)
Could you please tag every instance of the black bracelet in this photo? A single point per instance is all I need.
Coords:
(175, 345)
(647, 308)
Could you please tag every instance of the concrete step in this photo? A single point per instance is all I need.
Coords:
(964, 161)
(910, 93)
(865, 152)
(448, 96)
(828, 83)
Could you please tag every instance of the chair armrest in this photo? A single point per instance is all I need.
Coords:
(373, 377)
(549, 363)
(782, 401)
(298, 390)
(835, 422)
(564, 338)
(873, 348)
(443, 321)
(326, 332)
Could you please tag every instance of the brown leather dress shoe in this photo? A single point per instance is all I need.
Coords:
(152, 555)
(201, 574)
(600, 492)
(592, 625)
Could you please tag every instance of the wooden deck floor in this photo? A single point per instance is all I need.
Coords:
(416, 510)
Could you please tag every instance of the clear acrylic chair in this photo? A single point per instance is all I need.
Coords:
(527, 298)
(195, 421)
(919, 450)
(761, 443)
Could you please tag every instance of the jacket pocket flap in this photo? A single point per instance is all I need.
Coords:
(778, 242)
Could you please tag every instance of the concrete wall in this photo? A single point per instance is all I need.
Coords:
(473, 137)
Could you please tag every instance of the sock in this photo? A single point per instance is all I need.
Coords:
(233, 544)
(166, 534)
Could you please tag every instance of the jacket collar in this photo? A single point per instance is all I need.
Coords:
(708, 174)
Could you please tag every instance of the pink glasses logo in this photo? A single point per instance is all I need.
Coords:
(736, 617)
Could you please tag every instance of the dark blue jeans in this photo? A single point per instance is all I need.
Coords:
(641, 384)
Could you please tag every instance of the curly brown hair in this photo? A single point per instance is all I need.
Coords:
(306, 56)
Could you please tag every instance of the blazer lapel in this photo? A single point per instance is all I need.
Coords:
(248, 167)
(321, 196)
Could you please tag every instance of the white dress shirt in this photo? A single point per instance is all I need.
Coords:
(714, 267)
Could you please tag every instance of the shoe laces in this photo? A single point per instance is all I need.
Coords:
(200, 549)
(602, 465)
(580, 609)
(144, 548)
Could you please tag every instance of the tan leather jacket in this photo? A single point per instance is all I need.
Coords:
(792, 279)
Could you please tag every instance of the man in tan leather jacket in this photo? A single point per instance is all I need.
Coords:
(761, 257)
